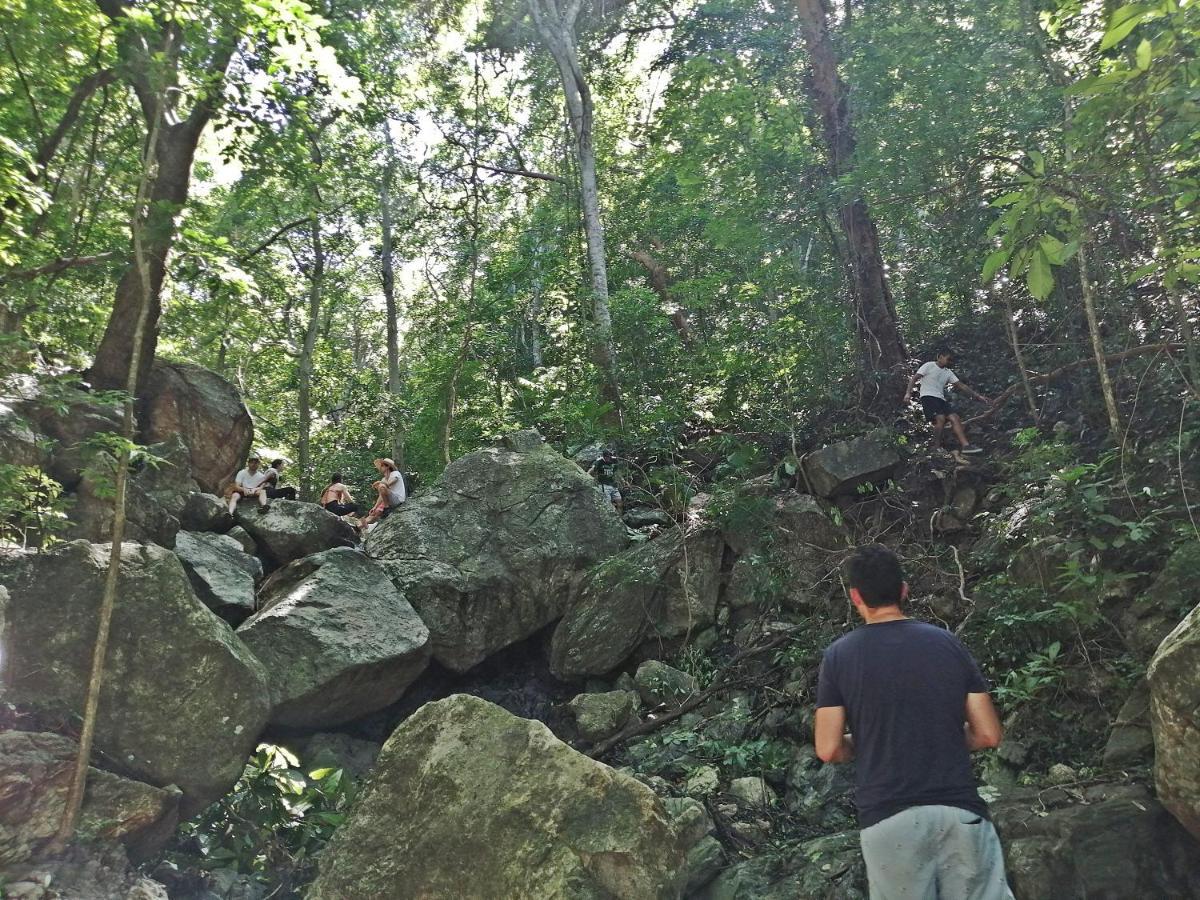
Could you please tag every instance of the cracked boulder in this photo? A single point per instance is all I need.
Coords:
(496, 549)
(183, 700)
(206, 411)
(467, 800)
(35, 775)
(338, 639)
(292, 530)
(222, 573)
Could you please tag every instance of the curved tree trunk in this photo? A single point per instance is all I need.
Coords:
(555, 24)
(883, 356)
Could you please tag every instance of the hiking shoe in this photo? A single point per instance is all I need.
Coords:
(972, 449)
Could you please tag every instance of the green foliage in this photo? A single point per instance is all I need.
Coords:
(32, 506)
(274, 822)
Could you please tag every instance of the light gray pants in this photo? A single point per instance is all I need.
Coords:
(934, 853)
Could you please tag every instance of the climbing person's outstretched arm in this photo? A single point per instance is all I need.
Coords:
(967, 389)
(829, 735)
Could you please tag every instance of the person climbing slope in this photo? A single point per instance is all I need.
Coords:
(604, 470)
(916, 706)
(936, 380)
(390, 490)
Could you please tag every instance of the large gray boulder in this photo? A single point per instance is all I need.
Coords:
(467, 800)
(665, 590)
(337, 638)
(1118, 843)
(183, 700)
(840, 468)
(291, 530)
(221, 572)
(1174, 677)
(156, 495)
(206, 411)
(496, 549)
(35, 774)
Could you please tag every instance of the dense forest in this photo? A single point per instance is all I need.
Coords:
(387, 227)
(714, 235)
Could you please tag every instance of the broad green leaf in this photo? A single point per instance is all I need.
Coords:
(993, 264)
(1008, 199)
(1054, 249)
(1040, 279)
(1145, 53)
(1123, 21)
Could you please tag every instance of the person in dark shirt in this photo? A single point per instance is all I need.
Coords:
(604, 470)
(916, 706)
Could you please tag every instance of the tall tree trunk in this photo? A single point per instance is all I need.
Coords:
(168, 192)
(884, 358)
(388, 277)
(555, 24)
(316, 280)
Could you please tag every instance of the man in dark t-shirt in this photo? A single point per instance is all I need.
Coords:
(604, 470)
(916, 706)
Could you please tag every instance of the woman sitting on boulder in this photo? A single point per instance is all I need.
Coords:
(336, 497)
(390, 488)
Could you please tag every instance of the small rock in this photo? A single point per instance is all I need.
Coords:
(703, 781)
(690, 818)
(753, 791)
(644, 517)
(661, 684)
(755, 832)
(1061, 774)
(598, 716)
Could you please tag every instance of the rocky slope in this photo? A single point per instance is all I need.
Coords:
(682, 658)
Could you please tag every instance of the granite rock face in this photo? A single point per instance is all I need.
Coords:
(496, 550)
(1174, 677)
(840, 468)
(203, 409)
(292, 530)
(338, 639)
(183, 700)
(505, 810)
(35, 773)
(221, 572)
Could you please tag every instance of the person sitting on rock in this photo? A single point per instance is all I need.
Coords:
(936, 380)
(391, 492)
(336, 497)
(249, 482)
(274, 475)
(604, 470)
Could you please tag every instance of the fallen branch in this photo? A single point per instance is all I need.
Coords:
(1012, 391)
(720, 683)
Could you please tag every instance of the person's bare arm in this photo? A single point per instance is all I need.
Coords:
(829, 734)
(982, 727)
(912, 382)
(967, 389)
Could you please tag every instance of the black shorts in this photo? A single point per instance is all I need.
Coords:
(934, 407)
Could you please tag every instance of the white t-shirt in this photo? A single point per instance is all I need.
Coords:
(395, 486)
(251, 481)
(935, 380)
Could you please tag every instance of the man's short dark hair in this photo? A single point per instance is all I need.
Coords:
(943, 350)
(877, 574)
(275, 464)
(335, 478)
